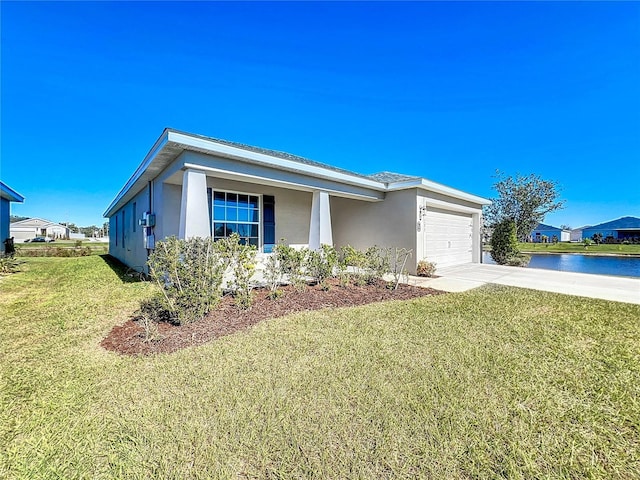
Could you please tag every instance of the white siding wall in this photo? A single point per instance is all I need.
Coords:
(133, 251)
(389, 223)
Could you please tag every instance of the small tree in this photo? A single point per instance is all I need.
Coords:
(597, 238)
(525, 200)
(504, 244)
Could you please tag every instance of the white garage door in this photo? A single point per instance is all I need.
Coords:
(448, 238)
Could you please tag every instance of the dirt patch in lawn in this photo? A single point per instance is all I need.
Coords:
(129, 339)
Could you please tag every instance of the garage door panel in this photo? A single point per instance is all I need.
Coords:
(448, 238)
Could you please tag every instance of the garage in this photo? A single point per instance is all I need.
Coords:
(448, 237)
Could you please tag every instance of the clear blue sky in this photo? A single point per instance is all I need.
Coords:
(449, 91)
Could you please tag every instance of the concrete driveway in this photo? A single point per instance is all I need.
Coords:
(465, 277)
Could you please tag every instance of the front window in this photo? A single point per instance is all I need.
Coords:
(236, 213)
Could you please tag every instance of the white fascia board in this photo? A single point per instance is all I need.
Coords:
(10, 194)
(441, 204)
(239, 176)
(236, 152)
(425, 184)
(160, 143)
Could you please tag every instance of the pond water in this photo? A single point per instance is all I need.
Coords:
(624, 266)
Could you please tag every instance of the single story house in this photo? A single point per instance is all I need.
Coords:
(37, 227)
(542, 230)
(7, 195)
(625, 228)
(190, 185)
(576, 233)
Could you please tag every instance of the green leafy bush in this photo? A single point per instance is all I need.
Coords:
(49, 251)
(291, 262)
(189, 274)
(504, 243)
(377, 264)
(241, 259)
(321, 264)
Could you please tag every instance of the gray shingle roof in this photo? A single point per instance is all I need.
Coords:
(390, 177)
(275, 153)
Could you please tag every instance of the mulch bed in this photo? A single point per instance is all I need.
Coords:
(129, 339)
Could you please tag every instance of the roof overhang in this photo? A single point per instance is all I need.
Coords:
(10, 194)
(424, 184)
(172, 143)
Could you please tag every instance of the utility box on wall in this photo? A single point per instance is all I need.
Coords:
(150, 241)
(148, 220)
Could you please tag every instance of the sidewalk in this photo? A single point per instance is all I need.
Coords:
(465, 277)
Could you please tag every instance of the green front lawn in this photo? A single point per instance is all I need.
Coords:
(565, 247)
(496, 382)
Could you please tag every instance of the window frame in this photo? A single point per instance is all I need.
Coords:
(258, 209)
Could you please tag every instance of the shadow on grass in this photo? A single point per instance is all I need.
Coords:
(124, 272)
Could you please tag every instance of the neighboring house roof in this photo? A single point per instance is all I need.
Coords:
(624, 223)
(542, 226)
(36, 222)
(579, 229)
(173, 142)
(10, 194)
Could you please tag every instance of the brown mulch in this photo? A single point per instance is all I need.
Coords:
(129, 338)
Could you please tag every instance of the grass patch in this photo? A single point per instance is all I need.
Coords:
(496, 382)
(48, 249)
(565, 247)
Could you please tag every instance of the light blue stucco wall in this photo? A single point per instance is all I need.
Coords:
(590, 232)
(548, 232)
(4, 221)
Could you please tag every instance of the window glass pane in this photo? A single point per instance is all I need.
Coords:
(218, 198)
(218, 213)
(218, 230)
(243, 215)
(236, 213)
(232, 213)
(243, 229)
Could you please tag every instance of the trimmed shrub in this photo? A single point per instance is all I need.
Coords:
(49, 251)
(189, 274)
(241, 259)
(504, 243)
(291, 261)
(425, 268)
(320, 264)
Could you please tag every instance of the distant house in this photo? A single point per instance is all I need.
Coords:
(576, 233)
(7, 195)
(37, 227)
(545, 233)
(194, 186)
(625, 228)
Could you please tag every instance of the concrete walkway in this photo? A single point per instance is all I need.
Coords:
(465, 277)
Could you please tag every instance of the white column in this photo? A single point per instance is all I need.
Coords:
(194, 207)
(320, 225)
(476, 244)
